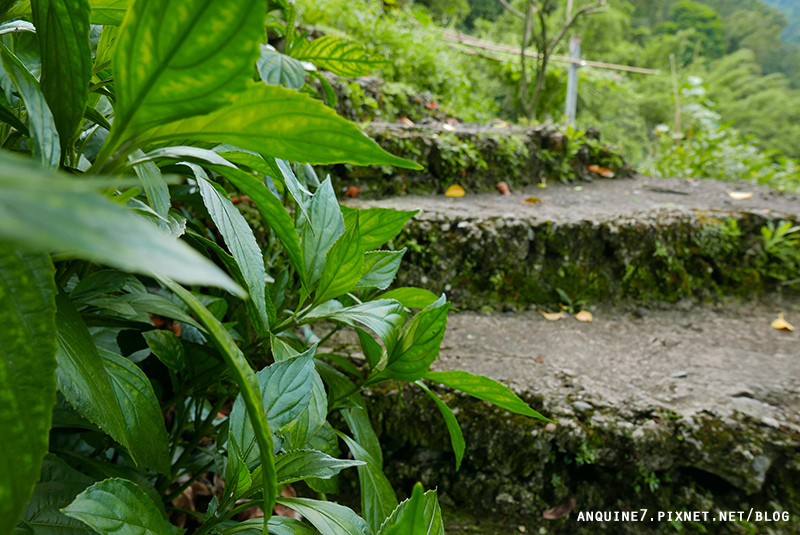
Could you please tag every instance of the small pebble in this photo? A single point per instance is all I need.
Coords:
(678, 375)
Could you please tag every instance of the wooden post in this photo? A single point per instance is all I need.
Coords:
(677, 96)
(572, 80)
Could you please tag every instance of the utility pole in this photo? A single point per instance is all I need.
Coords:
(572, 79)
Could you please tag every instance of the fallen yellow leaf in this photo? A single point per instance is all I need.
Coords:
(739, 195)
(533, 200)
(584, 315)
(781, 324)
(448, 127)
(455, 191)
(554, 316)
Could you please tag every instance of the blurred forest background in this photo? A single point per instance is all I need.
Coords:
(737, 64)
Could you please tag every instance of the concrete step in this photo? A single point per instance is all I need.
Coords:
(639, 239)
(692, 408)
(476, 157)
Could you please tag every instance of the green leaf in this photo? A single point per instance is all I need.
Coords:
(272, 211)
(378, 499)
(285, 387)
(412, 297)
(486, 389)
(327, 225)
(119, 507)
(277, 525)
(58, 486)
(27, 374)
(419, 344)
(8, 117)
(343, 266)
(378, 225)
(293, 186)
(241, 243)
(108, 12)
(279, 69)
(155, 304)
(42, 126)
(238, 479)
(110, 391)
(106, 47)
(456, 436)
(419, 515)
(62, 27)
(48, 212)
(298, 465)
(279, 122)
(328, 517)
(249, 388)
(166, 346)
(326, 441)
(372, 349)
(380, 268)
(192, 66)
(155, 187)
(340, 56)
(383, 316)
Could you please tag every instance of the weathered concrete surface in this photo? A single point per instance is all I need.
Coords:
(687, 407)
(477, 157)
(640, 239)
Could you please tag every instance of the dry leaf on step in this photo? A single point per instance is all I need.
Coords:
(455, 191)
(560, 510)
(739, 195)
(503, 188)
(353, 191)
(602, 171)
(406, 121)
(781, 324)
(584, 315)
(533, 200)
(551, 316)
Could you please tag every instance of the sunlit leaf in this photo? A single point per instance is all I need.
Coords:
(343, 266)
(339, 56)
(378, 225)
(412, 297)
(27, 374)
(380, 267)
(419, 344)
(455, 191)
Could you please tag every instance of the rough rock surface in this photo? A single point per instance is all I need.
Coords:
(679, 408)
(643, 239)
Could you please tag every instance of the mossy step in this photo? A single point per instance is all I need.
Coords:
(476, 157)
(640, 239)
(689, 408)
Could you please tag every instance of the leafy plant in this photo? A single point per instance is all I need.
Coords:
(780, 256)
(122, 387)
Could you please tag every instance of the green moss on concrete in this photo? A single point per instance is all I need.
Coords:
(516, 468)
(665, 257)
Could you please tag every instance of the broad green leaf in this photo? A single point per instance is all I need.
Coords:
(329, 518)
(378, 225)
(419, 515)
(383, 316)
(27, 374)
(8, 117)
(277, 525)
(108, 12)
(282, 123)
(412, 297)
(48, 212)
(249, 388)
(378, 499)
(15, 25)
(42, 126)
(103, 11)
(456, 436)
(340, 56)
(275, 68)
(191, 66)
(419, 344)
(305, 426)
(486, 389)
(147, 303)
(109, 390)
(411, 521)
(326, 441)
(241, 243)
(238, 479)
(271, 209)
(58, 486)
(380, 267)
(62, 27)
(166, 346)
(343, 266)
(298, 465)
(179, 152)
(119, 507)
(327, 225)
(285, 387)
